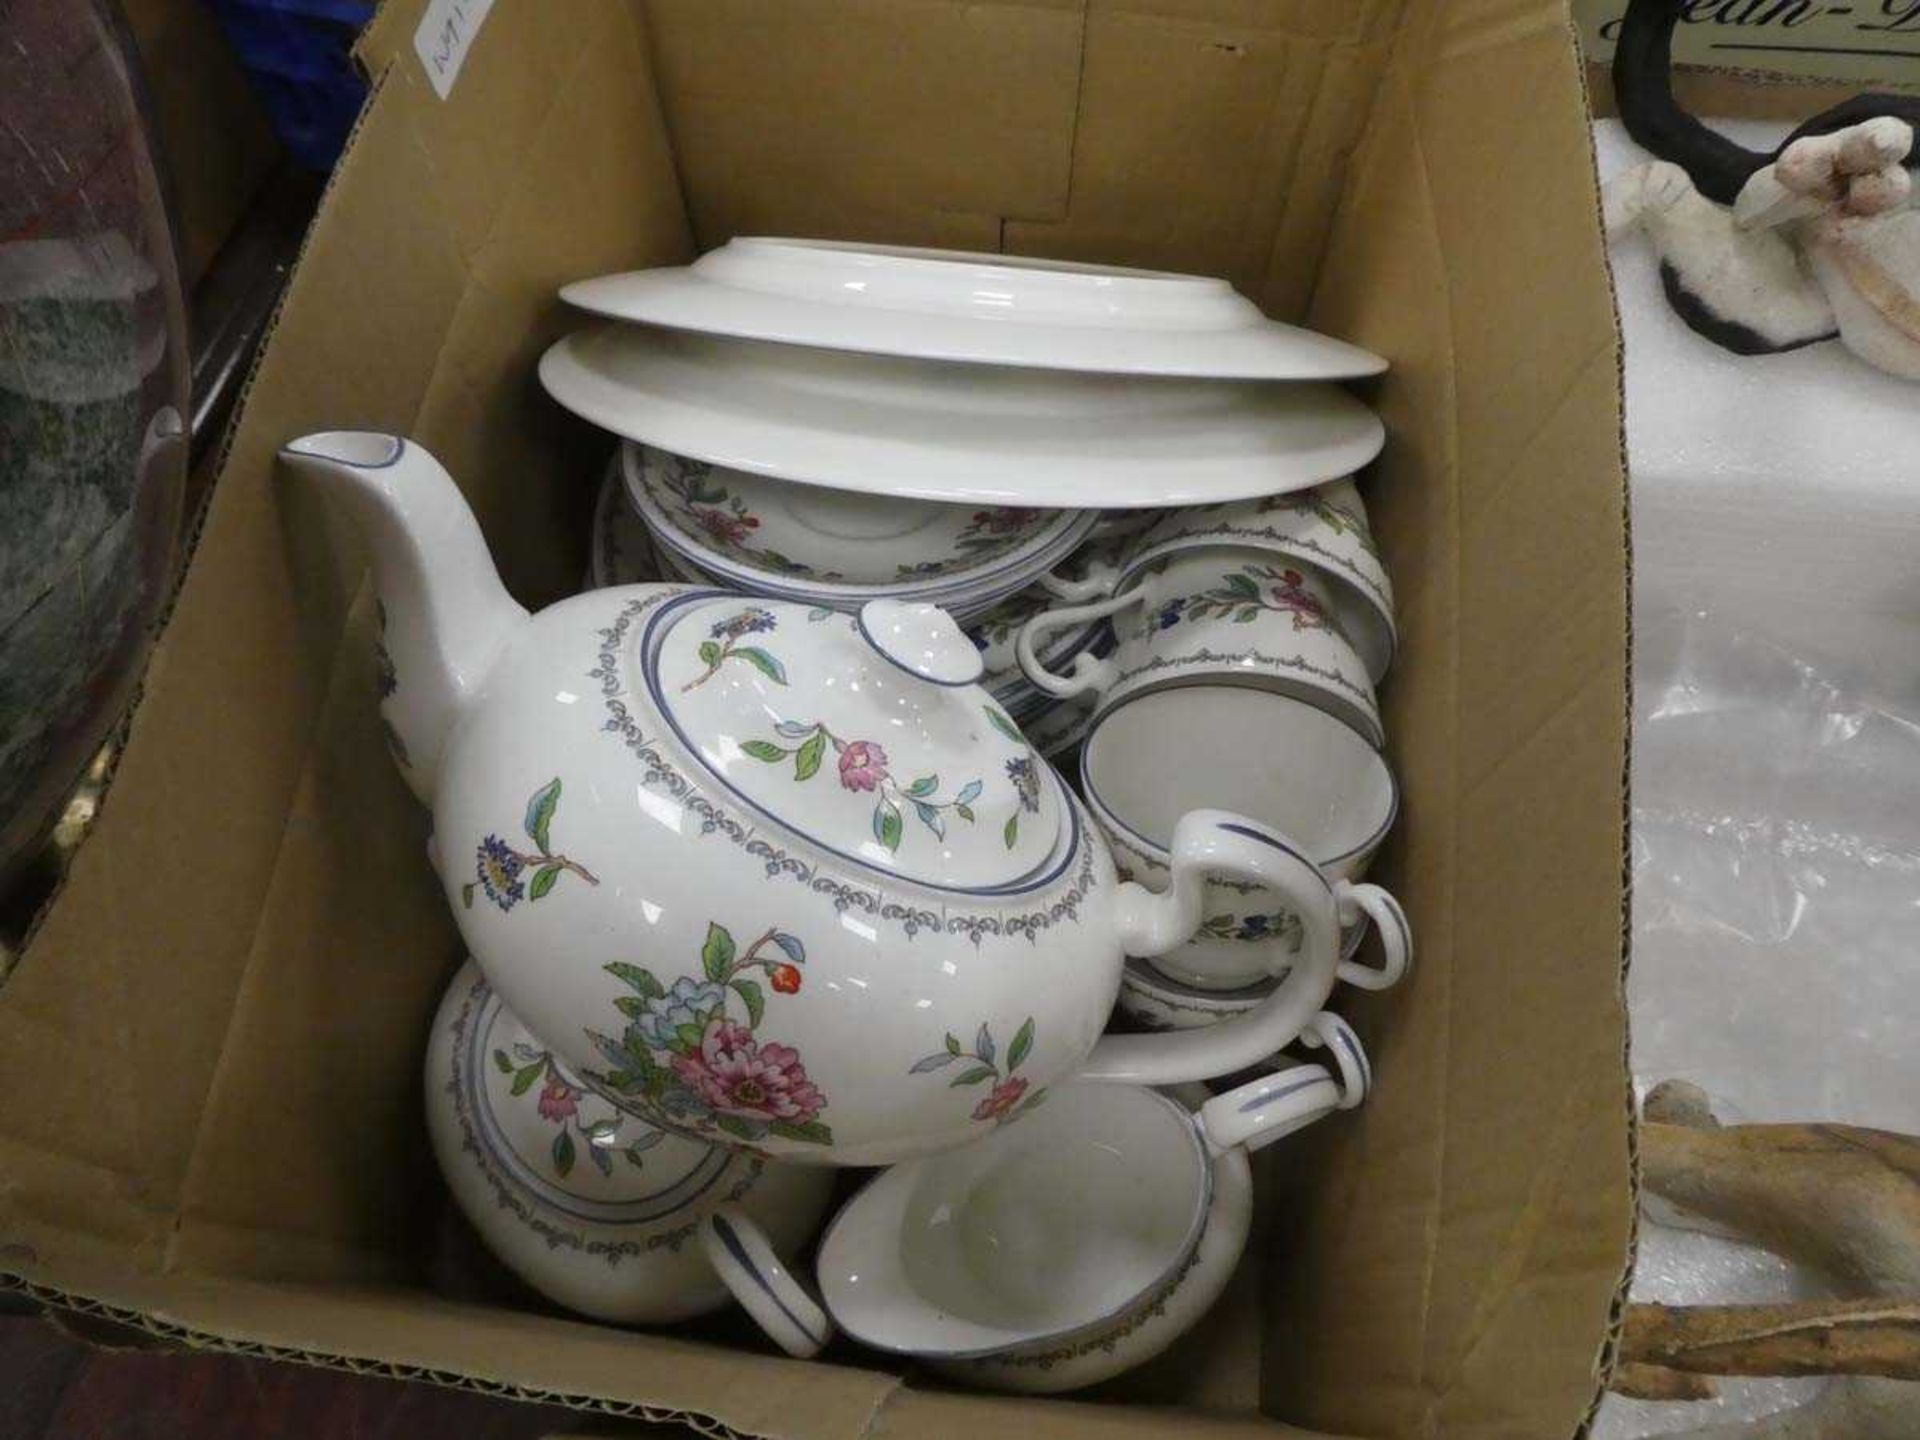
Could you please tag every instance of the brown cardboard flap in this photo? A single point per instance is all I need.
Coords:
(1455, 1271)
(239, 975)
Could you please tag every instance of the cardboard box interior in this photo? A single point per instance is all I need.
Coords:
(213, 1045)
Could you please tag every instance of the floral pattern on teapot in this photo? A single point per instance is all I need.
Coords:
(724, 643)
(500, 866)
(1008, 1097)
(863, 765)
(686, 1061)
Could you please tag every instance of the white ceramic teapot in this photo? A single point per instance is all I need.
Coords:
(772, 876)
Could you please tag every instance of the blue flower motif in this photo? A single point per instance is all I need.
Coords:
(751, 621)
(500, 868)
(1169, 614)
(1026, 782)
(689, 1002)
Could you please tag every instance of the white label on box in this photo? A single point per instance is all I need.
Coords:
(445, 35)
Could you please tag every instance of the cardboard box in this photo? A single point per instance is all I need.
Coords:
(211, 1052)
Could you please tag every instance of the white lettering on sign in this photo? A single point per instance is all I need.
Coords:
(445, 35)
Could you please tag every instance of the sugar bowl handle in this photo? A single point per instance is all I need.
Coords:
(1218, 842)
(745, 1260)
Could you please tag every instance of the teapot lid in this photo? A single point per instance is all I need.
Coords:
(866, 733)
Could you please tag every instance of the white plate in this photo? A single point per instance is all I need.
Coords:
(978, 308)
(974, 434)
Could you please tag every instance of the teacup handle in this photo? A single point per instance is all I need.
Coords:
(1396, 935)
(1329, 1032)
(1219, 842)
(745, 1260)
(1270, 1108)
(1090, 672)
(1096, 584)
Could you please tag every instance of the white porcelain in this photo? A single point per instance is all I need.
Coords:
(1159, 1002)
(621, 552)
(995, 635)
(745, 927)
(976, 307)
(1218, 617)
(839, 546)
(748, 1259)
(595, 1209)
(1290, 765)
(1325, 527)
(1066, 1250)
(963, 434)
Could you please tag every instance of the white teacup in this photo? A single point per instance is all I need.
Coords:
(1220, 616)
(1325, 527)
(1288, 765)
(1081, 1242)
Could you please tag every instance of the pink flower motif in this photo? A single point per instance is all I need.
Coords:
(1005, 1096)
(737, 1075)
(863, 765)
(726, 528)
(559, 1101)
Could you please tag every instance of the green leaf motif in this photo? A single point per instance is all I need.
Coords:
(932, 1062)
(969, 792)
(887, 825)
(540, 816)
(953, 1044)
(524, 1077)
(1246, 617)
(631, 1006)
(1241, 584)
(709, 652)
(639, 977)
(764, 750)
(806, 761)
(602, 1161)
(756, 999)
(717, 953)
(1022, 1043)
(1012, 831)
(741, 1128)
(791, 945)
(925, 785)
(466, 894)
(543, 879)
(930, 818)
(810, 1132)
(983, 1045)
(562, 1153)
(764, 663)
(1005, 726)
(500, 1059)
(600, 1132)
(964, 811)
(689, 1038)
(974, 1077)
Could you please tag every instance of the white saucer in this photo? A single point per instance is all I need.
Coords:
(967, 434)
(984, 309)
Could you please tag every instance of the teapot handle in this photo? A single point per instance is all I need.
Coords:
(745, 1260)
(1218, 842)
(1089, 671)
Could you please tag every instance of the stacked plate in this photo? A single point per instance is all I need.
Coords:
(834, 423)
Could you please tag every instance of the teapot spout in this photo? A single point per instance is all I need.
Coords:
(445, 616)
